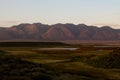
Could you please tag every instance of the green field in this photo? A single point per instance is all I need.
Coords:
(85, 63)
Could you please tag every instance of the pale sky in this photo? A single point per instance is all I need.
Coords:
(90, 12)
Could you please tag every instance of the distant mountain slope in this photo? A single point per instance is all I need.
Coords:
(59, 32)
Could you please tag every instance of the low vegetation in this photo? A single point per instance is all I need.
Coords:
(111, 60)
(86, 63)
(12, 68)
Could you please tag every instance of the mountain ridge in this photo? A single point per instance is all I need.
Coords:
(59, 32)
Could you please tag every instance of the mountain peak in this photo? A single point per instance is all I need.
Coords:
(106, 27)
(82, 25)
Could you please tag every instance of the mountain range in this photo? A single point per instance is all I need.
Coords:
(59, 32)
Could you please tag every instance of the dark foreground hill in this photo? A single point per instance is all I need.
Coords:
(59, 32)
(12, 68)
(33, 44)
(111, 60)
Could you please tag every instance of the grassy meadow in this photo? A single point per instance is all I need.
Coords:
(85, 63)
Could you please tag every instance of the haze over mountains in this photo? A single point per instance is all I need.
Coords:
(59, 32)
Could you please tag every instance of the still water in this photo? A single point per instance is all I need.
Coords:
(58, 48)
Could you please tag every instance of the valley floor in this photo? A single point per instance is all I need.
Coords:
(85, 63)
